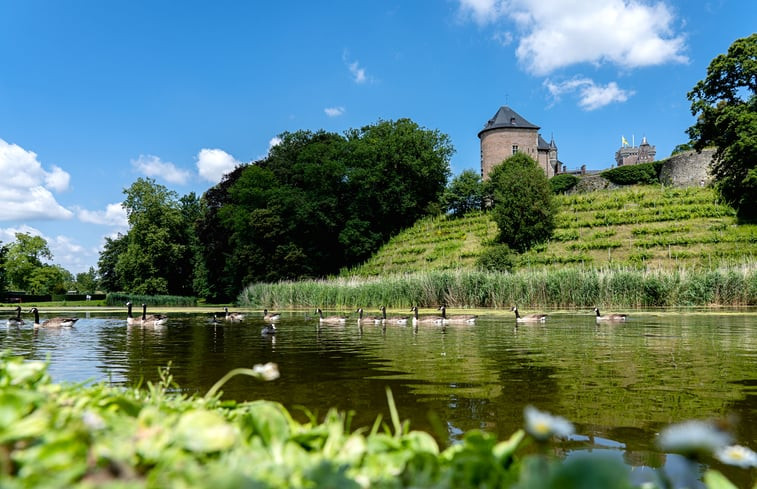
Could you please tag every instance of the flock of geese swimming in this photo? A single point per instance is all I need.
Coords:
(272, 317)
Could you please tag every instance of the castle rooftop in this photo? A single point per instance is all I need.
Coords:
(507, 117)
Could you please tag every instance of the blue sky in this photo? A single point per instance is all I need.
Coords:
(95, 94)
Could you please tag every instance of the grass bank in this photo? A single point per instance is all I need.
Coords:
(556, 288)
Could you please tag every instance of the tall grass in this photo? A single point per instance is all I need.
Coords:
(560, 288)
(120, 298)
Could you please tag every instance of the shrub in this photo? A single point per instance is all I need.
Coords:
(643, 173)
(562, 183)
(496, 258)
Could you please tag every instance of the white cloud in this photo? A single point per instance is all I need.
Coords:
(558, 33)
(359, 75)
(58, 180)
(482, 11)
(591, 95)
(114, 215)
(213, 164)
(275, 141)
(334, 111)
(27, 186)
(152, 166)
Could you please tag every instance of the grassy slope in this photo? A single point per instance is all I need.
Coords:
(638, 226)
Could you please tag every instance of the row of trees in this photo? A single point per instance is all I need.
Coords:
(23, 267)
(317, 202)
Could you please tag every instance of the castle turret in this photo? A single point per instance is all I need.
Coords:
(508, 133)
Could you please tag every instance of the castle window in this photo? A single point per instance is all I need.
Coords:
(515, 148)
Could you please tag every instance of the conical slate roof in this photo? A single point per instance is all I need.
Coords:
(507, 117)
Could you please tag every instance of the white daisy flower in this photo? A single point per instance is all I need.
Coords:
(693, 437)
(267, 371)
(542, 425)
(737, 455)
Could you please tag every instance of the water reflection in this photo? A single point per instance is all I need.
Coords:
(618, 382)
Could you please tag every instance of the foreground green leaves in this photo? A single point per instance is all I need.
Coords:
(99, 436)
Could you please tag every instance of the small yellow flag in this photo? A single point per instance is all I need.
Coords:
(624, 140)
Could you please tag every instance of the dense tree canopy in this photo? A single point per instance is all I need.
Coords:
(725, 104)
(155, 258)
(523, 207)
(318, 202)
(24, 257)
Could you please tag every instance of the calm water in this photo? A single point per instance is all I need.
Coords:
(619, 384)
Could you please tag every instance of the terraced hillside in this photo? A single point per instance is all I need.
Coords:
(642, 226)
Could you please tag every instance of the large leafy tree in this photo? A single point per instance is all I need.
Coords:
(317, 202)
(725, 104)
(523, 207)
(24, 257)
(157, 258)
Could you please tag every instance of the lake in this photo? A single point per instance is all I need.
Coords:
(618, 383)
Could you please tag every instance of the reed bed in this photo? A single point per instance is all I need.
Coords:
(120, 298)
(569, 287)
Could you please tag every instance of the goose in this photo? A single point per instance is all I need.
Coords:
(367, 319)
(528, 318)
(271, 316)
(392, 320)
(425, 319)
(130, 319)
(16, 320)
(610, 317)
(233, 316)
(459, 318)
(59, 322)
(152, 319)
(330, 319)
(268, 329)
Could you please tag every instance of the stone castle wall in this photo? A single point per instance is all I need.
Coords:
(687, 169)
(681, 170)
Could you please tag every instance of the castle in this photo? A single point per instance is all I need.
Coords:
(631, 155)
(508, 133)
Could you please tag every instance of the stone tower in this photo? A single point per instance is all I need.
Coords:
(508, 133)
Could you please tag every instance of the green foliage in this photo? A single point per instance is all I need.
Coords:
(157, 257)
(725, 104)
(464, 194)
(682, 148)
(496, 258)
(106, 263)
(87, 282)
(3, 267)
(119, 299)
(522, 202)
(23, 258)
(319, 202)
(643, 173)
(563, 182)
